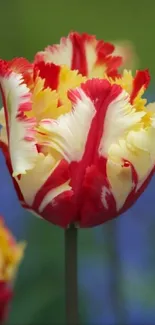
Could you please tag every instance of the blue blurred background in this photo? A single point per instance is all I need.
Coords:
(117, 260)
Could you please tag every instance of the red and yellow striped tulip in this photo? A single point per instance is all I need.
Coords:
(79, 150)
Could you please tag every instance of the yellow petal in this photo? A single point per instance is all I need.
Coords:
(68, 79)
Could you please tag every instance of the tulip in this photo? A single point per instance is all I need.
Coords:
(78, 138)
(11, 254)
(79, 150)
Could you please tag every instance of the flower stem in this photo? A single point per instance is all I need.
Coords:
(71, 276)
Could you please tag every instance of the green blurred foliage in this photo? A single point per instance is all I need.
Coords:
(29, 26)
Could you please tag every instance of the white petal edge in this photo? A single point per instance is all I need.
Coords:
(22, 152)
(68, 134)
(60, 53)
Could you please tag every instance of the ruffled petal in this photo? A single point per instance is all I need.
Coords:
(51, 85)
(84, 53)
(20, 129)
(68, 134)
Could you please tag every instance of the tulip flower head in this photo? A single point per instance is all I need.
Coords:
(76, 134)
(11, 254)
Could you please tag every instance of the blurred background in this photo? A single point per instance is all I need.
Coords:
(116, 261)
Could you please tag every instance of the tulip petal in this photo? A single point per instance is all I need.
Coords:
(20, 129)
(139, 150)
(57, 78)
(50, 191)
(44, 167)
(68, 134)
(58, 54)
(121, 116)
(84, 53)
(24, 67)
(121, 181)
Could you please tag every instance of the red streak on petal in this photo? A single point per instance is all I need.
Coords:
(105, 58)
(25, 107)
(59, 176)
(61, 212)
(93, 211)
(29, 138)
(79, 60)
(73, 95)
(102, 94)
(104, 49)
(142, 79)
(4, 73)
(5, 110)
(48, 71)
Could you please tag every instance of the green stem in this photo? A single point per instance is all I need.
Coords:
(71, 276)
